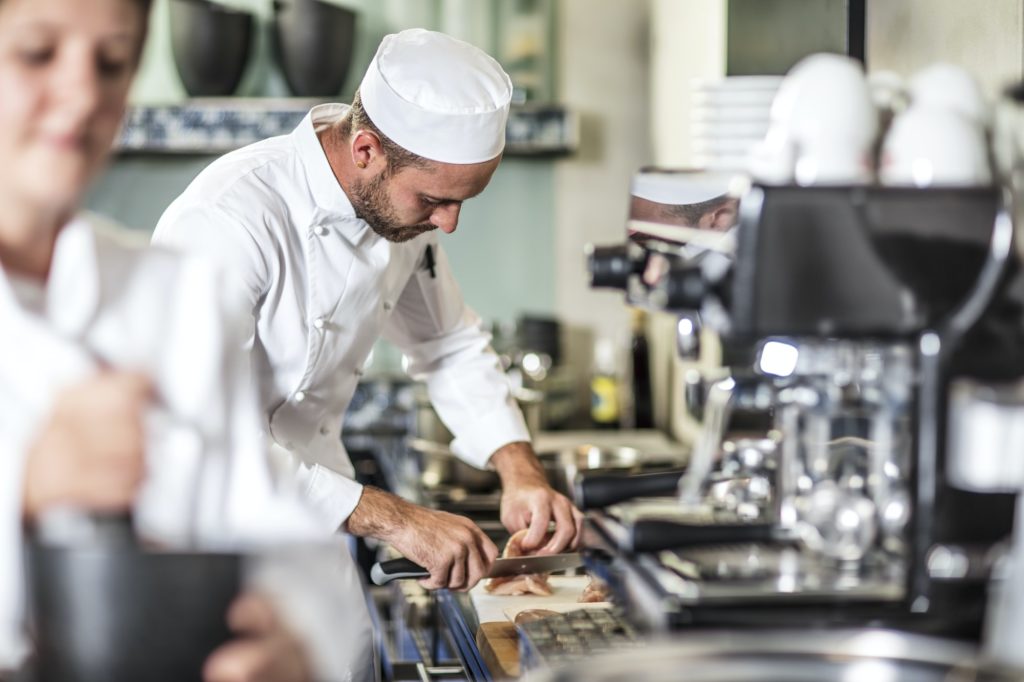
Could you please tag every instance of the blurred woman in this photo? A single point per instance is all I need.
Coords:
(117, 392)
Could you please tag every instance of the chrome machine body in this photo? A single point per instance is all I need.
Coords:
(849, 317)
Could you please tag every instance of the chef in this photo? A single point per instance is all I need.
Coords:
(120, 387)
(331, 234)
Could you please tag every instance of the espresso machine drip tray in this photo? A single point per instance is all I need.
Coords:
(737, 581)
(749, 585)
(754, 573)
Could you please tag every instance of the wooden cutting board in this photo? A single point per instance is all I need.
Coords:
(499, 647)
(497, 638)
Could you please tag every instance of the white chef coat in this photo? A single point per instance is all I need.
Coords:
(208, 480)
(320, 287)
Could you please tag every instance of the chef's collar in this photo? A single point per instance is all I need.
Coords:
(72, 290)
(328, 194)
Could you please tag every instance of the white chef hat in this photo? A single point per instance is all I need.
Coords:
(438, 97)
(679, 188)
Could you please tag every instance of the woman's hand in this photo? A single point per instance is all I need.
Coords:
(91, 452)
(264, 651)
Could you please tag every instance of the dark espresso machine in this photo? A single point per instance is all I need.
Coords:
(851, 319)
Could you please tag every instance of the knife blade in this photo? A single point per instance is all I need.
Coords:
(384, 572)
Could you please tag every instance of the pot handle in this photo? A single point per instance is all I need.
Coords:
(655, 535)
(597, 491)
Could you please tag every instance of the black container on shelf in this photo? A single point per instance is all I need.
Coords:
(313, 41)
(211, 45)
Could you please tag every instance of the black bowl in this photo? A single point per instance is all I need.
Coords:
(313, 41)
(211, 45)
(118, 613)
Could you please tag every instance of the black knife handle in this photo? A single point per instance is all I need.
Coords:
(654, 535)
(597, 491)
(384, 572)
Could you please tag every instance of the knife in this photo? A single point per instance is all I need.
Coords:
(384, 572)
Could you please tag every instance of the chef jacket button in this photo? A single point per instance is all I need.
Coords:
(321, 230)
(358, 371)
(299, 396)
(387, 305)
(324, 430)
(319, 323)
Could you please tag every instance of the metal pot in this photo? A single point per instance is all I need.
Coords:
(562, 466)
(110, 611)
(211, 45)
(440, 467)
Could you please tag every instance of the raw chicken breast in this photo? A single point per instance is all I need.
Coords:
(595, 591)
(532, 583)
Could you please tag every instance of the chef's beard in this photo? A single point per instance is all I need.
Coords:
(370, 200)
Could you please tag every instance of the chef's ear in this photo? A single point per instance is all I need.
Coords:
(722, 217)
(367, 150)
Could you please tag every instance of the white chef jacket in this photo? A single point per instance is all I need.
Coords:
(208, 481)
(320, 287)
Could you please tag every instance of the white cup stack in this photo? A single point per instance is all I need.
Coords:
(940, 140)
(824, 126)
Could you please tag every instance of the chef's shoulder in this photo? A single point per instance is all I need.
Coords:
(247, 193)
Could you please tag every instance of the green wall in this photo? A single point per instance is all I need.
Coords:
(503, 249)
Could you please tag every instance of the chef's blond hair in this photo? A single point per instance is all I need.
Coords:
(397, 157)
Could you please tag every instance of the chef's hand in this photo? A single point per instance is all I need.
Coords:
(529, 501)
(264, 652)
(90, 453)
(454, 549)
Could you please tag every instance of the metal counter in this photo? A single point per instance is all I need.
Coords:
(460, 620)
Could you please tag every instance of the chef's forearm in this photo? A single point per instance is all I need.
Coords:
(377, 515)
(517, 464)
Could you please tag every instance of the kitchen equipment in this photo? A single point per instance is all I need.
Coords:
(105, 609)
(848, 316)
(790, 655)
(399, 569)
(600, 490)
(563, 466)
(574, 635)
(440, 467)
(314, 42)
(210, 44)
(540, 335)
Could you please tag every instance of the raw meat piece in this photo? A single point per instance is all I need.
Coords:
(530, 615)
(595, 591)
(531, 583)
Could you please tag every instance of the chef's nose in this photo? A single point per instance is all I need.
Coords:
(446, 217)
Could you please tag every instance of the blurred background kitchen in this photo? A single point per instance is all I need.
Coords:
(619, 76)
(603, 88)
